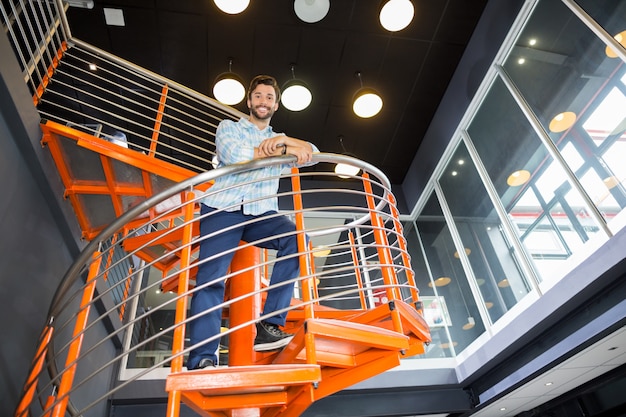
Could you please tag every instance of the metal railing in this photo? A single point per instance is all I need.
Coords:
(93, 332)
(76, 84)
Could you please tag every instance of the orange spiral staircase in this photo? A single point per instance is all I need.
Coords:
(137, 208)
(332, 348)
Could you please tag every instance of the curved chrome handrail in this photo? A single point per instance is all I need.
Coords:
(73, 272)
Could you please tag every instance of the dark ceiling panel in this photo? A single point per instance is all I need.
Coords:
(191, 41)
(183, 41)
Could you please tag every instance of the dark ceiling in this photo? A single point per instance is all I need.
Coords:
(191, 41)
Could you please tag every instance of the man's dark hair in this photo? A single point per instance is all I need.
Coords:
(266, 80)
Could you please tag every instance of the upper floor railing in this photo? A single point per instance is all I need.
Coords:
(76, 84)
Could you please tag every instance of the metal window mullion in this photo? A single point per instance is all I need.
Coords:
(521, 253)
(365, 269)
(465, 264)
(596, 28)
(551, 147)
(132, 313)
(432, 279)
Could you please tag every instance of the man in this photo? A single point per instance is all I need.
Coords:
(243, 197)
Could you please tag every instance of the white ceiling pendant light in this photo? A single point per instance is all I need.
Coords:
(296, 95)
(311, 11)
(232, 6)
(395, 15)
(366, 102)
(345, 170)
(228, 87)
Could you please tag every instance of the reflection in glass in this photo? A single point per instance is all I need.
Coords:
(453, 316)
(544, 205)
(476, 219)
(578, 93)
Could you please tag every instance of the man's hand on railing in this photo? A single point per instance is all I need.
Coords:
(286, 145)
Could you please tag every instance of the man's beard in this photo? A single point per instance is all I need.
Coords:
(268, 115)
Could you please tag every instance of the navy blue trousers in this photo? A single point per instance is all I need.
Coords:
(278, 298)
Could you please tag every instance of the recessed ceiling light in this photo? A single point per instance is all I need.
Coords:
(461, 161)
(518, 178)
(440, 282)
(621, 38)
(321, 251)
(454, 173)
(548, 384)
(467, 252)
(93, 67)
(503, 409)
(521, 61)
(532, 42)
(562, 121)
(611, 181)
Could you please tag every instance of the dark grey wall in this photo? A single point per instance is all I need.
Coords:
(37, 244)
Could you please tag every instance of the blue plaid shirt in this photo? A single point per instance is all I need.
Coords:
(235, 143)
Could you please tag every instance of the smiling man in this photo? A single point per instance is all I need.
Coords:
(246, 197)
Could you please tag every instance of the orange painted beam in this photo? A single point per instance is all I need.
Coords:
(33, 377)
(49, 73)
(178, 344)
(82, 319)
(158, 120)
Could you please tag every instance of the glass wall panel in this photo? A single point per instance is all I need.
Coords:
(450, 307)
(496, 270)
(576, 87)
(551, 219)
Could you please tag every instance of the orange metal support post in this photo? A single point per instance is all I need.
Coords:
(158, 120)
(178, 344)
(403, 247)
(48, 76)
(31, 382)
(384, 253)
(244, 284)
(309, 311)
(73, 353)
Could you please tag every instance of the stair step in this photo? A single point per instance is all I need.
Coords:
(243, 379)
(227, 388)
(341, 344)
